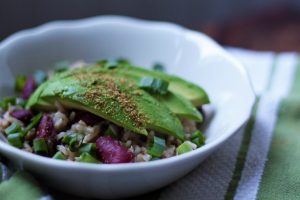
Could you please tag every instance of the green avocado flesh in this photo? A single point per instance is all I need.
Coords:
(177, 104)
(186, 89)
(114, 95)
(117, 100)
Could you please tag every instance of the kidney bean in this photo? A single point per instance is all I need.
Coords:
(22, 115)
(111, 151)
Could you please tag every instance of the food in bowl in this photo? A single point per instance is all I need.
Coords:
(106, 112)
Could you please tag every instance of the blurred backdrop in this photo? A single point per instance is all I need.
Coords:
(255, 24)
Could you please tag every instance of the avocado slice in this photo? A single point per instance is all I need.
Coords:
(177, 104)
(183, 108)
(113, 98)
(183, 88)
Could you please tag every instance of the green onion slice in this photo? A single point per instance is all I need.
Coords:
(123, 61)
(185, 147)
(108, 64)
(34, 122)
(88, 148)
(158, 67)
(154, 85)
(73, 140)
(20, 83)
(13, 128)
(61, 66)
(40, 146)
(15, 139)
(6, 102)
(198, 138)
(59, 156)
(88, 158)
(158, 147)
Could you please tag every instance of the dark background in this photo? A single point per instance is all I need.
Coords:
(255, 24)
(20, 14)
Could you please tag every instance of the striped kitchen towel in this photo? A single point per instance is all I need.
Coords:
(261, 160)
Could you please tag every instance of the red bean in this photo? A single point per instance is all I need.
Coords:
(29, 88)
(46, 128)
(22, 115)
(111, 151)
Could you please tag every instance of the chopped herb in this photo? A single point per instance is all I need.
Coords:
(20, 83)
(15, 139)
(123, 61)
(158, 147)
(89, 148)
(6, 102)
(154, 85)
(59, 156)
(158, 67)
(111, 65)
(73, 140)
(102, 62)
(34, 122)
(87, 158)
(185, 147)
(108, 64)
(40, 146)
(61, 66)
(198, 138)
(39, 77)
(13, 128)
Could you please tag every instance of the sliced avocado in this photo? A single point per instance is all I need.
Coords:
(186, 89)
(109, 97)
(177, 104)
(183, 108)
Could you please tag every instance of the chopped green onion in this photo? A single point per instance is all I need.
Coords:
(34, 122)
(20, 83)
(39, 77)
(198, 138)
(158, 147)
(123, 61)
(154, 85)
(111, 65)
(111, 131)
(61, 66)
(13, 128)
(108, 64)
(88, 148)
(73, 140)
(59, 156)
(6, 102)
(15, 139)
(75, 143)
(87, 158)
(185, 147)
(40, 146)
(101, 62)
(158, 67)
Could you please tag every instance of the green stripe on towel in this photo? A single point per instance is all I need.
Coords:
(242, 154)
(281, 178)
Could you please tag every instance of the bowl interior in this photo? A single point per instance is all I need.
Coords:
(185, 53)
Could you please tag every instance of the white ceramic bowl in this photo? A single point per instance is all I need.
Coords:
(184, 52)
